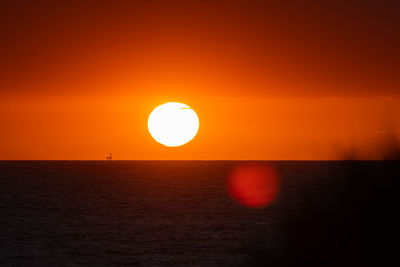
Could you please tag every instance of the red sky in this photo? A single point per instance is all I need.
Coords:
(276, 80)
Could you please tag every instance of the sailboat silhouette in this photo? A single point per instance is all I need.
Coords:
(109, 157)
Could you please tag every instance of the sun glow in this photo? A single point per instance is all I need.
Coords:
(173, 124)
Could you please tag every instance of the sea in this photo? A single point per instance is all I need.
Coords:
(182, 213)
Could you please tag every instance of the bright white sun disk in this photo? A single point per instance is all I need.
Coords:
(173, 124)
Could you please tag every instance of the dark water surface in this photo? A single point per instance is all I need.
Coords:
(179, 213)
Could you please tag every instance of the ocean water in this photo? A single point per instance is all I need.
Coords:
(180, 213)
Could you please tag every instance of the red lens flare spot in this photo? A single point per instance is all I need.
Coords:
(253, 185)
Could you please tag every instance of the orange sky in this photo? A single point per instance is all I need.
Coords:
(268, 81)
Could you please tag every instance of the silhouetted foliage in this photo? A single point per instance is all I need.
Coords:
(356, 227)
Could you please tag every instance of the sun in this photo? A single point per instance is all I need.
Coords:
(173, 124)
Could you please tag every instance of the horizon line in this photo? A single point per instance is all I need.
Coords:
(3, 160)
